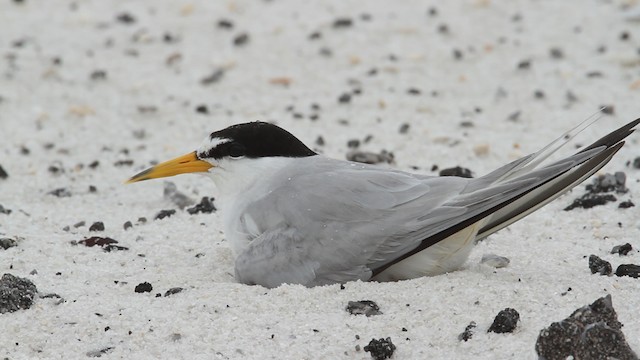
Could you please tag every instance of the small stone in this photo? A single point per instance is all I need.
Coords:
(202, 109)
(414, 91)
(205, 206)
(3, 173)
(467, 334)
(631, 270)
(591, 332)
(127, 225)
(99, 353)
(524, 65)
(636, 163)
(320, 141)
(597, 265)
(213, 78)
(344, 98)
(16, 293)
(126, 18)
(380, 349)
(225, 24)
(4, 210)
(241, 39)
(505, 322)
(363, 307)
(97, 75)
(590, 200)
(556, 53)
(107, 244)
(97, 226)
(143, 287)
(60, 192)
(495, 261)
(404, 128)
(164, 213)
(342, 23)
(173, 291)
(353, 144)
(608, 183)
(626, 204)
(622, 249)
(6, 243)
(456, 171)
(79, 224)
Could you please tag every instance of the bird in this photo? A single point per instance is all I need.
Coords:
(293, 216)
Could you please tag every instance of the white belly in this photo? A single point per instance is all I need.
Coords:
(446, 256)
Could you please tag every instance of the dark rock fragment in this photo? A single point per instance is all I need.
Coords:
(164, 213)
(213, 78)
(456, 171)
(636, 163)
(404, 128)
(3, 173)
(622, 249)
(126, 162)
(143, 287)
(16, 293)
(202, 109)
(626, 204)
(126, 18)
(225, 24)
(380, 349)
(342, 23)
(127, 225)
(597, 265)
(173, 291)
(505, 322)
(4, 210)
(99, 353)
(591, 332)
(107, 244)
(590, 200)
(467, 334)
(344, 98)
(631, 270)
(363, 307)
(97, 226)
(60, 192)
(608, 183)
(241, 39)
(205, 206)
(6, 243)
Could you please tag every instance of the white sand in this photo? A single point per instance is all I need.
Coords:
(215, 317)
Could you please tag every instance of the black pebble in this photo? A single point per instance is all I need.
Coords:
(626, 204)
(538, 94)
(404, 128)
(16, 293)
(241, 39)
(591, 332)
(205, 206)
(97, 75)
(342, 23)
(127, 162)
(505, 322)
(202, 109)
(624, 36)
(126, 18)
(344, 98)
(127, 225)
(609, 182)
(143, 287)
(213, 78)
(556, 53)
(456, 171)
(414, 91)
(353, 143)
(315, 35)
(3, 173)
(622, 249)
(97, 226)
(6, 243)
(636, 163)
(172, 291)
(4, 210)
(467, 334)
(457, 54)
(589, 200)
(363, 307)
(597, 265)
(60, 192)
(225, 24)
(94, 164)
(631, 270)
(164, 213)
(524, 65)
(320, 141)
(380, 349)
(93, 189)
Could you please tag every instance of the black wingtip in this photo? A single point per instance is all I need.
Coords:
(615, 136)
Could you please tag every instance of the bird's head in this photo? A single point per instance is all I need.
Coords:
(237, 144)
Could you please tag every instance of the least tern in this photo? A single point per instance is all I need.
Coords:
(294, 216)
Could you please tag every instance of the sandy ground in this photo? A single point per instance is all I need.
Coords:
(480, 83)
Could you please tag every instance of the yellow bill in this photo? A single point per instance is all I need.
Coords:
(188, 163)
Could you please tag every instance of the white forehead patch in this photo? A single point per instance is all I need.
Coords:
(209, 144)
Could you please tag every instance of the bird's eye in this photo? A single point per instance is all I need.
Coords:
(236, 150)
